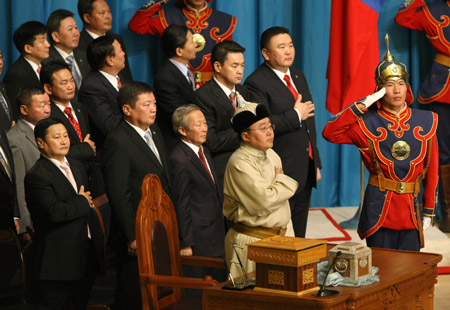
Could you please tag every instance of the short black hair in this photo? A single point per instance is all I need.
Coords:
(26, 34)
(49, 68)
(98, 50)
(41, 129)
(85, 7)
(172, 38)
(25, 95)
(270, 33)
(220, 51)
(54, 21)
(130, 91)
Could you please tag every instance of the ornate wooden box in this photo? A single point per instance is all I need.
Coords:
(354, 263)
(287, 264)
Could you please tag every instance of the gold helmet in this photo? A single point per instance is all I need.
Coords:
(389, 69)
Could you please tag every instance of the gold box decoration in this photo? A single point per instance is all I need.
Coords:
(354, 263)
(286, 264)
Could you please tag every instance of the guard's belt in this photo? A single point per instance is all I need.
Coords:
(442, 59)
(259, 231)
(398, 187)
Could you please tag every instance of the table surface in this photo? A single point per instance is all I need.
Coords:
(402, 274)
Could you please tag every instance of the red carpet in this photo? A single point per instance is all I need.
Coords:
(321, 225)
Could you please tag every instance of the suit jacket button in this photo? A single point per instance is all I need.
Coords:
(307, 150)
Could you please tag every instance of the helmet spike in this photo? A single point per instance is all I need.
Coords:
(387, 55)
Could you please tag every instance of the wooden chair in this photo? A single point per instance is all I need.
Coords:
(158, 253)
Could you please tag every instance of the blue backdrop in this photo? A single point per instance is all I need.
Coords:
(309, 21)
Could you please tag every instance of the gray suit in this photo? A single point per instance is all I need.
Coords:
(25, 154)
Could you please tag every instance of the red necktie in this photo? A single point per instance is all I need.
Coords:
(39, 69)
(119, 83)
(74, 122)
(203, 160)
(232, 97)
(295, 94)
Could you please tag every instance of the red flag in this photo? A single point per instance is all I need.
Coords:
(354, 52)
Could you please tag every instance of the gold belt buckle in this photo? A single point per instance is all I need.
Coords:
(401, 187)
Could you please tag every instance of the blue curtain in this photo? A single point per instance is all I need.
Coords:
(309, 22)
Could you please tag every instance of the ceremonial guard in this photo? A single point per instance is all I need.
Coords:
(398, 146)
(208, 26)
(435, 89)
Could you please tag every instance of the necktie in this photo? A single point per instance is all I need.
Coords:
(69, 175)
(5, 106)
(203, 160)
(38, 70)
(74, 122)
(295, 94)
(5, 166)
(191, 77)
(73, 69)
(151, 144)
(119, 83)
(232, 97)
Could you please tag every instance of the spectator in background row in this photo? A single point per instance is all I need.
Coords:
(31, 42)
(97, 21)
(34, 105)
(63, 32)
(6, 108)
(174, 81)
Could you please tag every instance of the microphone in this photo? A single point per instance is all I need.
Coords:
(323, 292)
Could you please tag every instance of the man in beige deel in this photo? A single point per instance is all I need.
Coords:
(256, 191)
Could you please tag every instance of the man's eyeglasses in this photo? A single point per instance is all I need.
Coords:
(265, 128)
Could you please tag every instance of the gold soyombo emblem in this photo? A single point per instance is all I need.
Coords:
(200, 41)
(400, 150)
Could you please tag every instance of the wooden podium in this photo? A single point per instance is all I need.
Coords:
(407, 281)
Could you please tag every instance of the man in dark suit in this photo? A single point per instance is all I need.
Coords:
(34, 105)
(59, 84)
(174, 81)
(97, 21)
(284, 90)
(131, 151)
(63, 254)
(99, 89)
(6, 109)
(63, 32)
(217, 99)
(198, 202)
(9, 210)
(30, 40)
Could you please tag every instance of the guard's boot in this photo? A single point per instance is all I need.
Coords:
(444, 195)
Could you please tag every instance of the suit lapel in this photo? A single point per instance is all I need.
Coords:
(8, 155)
(5, 97)
(57, 113)
(112, 91)
(29, 70)
(221, 98)
(57, 173)
(77, 174)
(178, 75)
(81, 62)
(195, 160)
(28, 132)
(275, 82)
(140, 143)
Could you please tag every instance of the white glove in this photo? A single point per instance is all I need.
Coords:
(426, 222)
(369, 100)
